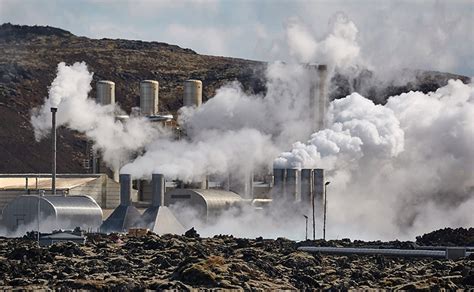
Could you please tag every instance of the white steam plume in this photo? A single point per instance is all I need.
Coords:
(69, 93)
(403, 168)
(338, 48)
(234, 130)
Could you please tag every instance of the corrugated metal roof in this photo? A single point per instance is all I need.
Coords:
(16, 183)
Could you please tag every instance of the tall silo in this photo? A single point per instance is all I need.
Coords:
(149, 97)
(192, 93)
(105, 92)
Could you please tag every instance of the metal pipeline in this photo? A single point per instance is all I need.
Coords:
(449, 253)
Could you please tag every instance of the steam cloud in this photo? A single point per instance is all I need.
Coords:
(69, 93)
(395, 170)
(408, 164)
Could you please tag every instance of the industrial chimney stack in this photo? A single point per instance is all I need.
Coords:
(318, 96)
(53, 149)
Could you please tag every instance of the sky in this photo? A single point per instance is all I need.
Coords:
(431, 35)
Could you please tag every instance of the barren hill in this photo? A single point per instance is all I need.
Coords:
(29, 56)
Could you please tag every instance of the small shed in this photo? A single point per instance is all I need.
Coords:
(207, 202)
(56, 212)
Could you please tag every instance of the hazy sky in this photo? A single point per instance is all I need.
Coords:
(421, 34)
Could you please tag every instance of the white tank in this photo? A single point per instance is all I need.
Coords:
(149, 97)
(192, 93)
(105, 92)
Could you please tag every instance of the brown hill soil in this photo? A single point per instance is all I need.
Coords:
(29, 56)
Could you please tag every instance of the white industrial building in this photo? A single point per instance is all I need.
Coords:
(100, 187)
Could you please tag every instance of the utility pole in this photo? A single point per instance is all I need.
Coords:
(314, 219)
(306, 233)
(325, 208)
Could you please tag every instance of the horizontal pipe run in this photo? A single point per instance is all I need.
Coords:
(442, 247)
(376, 251)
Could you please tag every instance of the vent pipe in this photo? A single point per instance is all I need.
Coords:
(306, 186)
(158, 190)
(53, 142)
(292, 184)
(279, 190)
(125, 181)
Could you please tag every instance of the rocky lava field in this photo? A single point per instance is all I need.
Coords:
(120, 262)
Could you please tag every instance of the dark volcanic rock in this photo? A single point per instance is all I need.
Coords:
(118, 262)
(448, 237)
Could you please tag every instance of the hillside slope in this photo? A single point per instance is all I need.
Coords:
(28, 60)
(29, 56)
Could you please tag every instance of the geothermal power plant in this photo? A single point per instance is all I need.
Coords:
(106, 200)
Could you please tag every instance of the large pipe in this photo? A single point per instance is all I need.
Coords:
(306, 186)
(449, 253)
(292, 184)
(125, 181)
(53, 142)
(278, 192)
(158, 190)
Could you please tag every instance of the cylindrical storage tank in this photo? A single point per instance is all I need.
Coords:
(278, 191)
(125, 181)
(56, 212)
(292, 184)
(306, 186)
(192, 93)
(318, 191)
(105, 92)
(149, 90)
